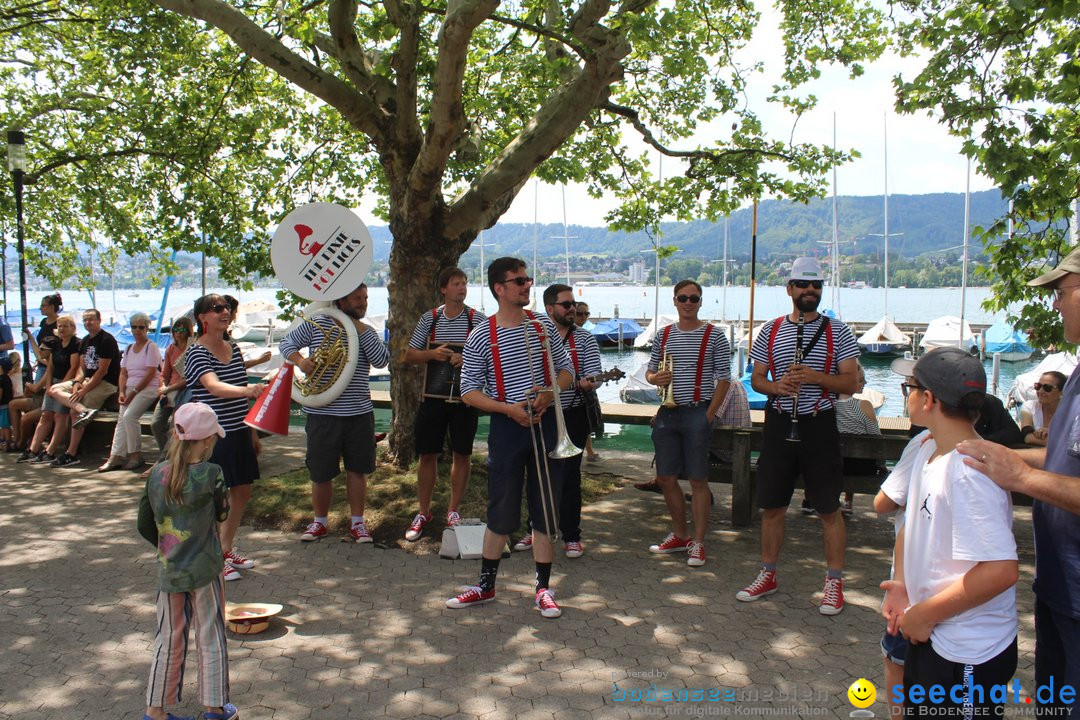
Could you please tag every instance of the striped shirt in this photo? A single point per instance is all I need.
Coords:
(851, 420)
(519, 375)
(448, 330)
(810, 397)
(356, 398)
(585, 357)
(685, 348)
(230, 411)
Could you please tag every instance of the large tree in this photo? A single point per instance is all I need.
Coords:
(1005, 76)
(162, 123)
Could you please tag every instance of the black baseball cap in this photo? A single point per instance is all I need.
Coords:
(956, 377)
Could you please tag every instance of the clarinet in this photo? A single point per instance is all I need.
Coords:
(793, 433)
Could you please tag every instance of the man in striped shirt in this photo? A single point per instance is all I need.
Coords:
(585, 356)
(681, 435)
(344, 428)
(504, 373)
(802, 400)
(430, 343)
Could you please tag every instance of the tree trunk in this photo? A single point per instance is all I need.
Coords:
(415, 264)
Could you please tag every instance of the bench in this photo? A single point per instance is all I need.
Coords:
(740, 472)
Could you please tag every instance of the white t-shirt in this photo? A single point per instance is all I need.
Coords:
(956, 517)
(896, 485)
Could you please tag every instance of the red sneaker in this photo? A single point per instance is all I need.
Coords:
(672, 544)
(417, 528)
(764, 584)
(833, 602)
(359, 533)
(545, 603)
(315, 531)
(524, 543)
(697, 555)
(470, 596)
(453, 519)
(237, 560)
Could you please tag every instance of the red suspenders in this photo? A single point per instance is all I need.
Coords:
(700, 357)
(829, 354)
(500, 386)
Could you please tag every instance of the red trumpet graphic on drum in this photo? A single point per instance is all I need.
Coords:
(302, 233)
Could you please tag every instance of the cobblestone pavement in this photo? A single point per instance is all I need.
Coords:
(365, 633)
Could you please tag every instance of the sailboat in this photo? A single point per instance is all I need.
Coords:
(1010, 344)
(885, 338)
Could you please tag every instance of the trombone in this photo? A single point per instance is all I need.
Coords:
(564, 447)
(667, 395)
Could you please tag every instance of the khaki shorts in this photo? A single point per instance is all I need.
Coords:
(93, 399)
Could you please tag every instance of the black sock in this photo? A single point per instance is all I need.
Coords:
(543, 576)
(489, 569)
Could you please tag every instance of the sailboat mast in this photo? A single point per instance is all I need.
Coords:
(835, 280)
(566, 237)
(723, 305)
(885, 125)
(963, 282)
(536, 229)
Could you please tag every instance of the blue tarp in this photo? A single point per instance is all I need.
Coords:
(607, 331)
(1002, 337)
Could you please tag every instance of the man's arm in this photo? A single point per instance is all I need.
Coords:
(1022, 472)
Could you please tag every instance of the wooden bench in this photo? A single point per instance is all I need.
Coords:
(741, 471)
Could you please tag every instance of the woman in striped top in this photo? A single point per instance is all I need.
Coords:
(215, 373)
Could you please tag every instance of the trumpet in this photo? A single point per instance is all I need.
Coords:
(667, 395)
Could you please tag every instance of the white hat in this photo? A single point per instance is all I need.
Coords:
(806, 268)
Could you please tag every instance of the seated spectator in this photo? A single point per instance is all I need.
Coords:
(95, 381)
(61, 353)
(138, 392)
(1035, 415)
(26, 411)
(856, 417)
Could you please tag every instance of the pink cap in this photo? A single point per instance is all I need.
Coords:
(196, 421)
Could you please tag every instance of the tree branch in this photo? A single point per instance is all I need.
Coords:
(358, 110)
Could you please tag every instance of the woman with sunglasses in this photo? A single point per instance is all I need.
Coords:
(138, 391)
(1035, 415)
(216, 375)
(172, 382)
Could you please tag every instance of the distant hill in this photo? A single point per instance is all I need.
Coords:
(927, 222)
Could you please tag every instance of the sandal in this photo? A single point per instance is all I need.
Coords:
(110, 465)
(133, 465)
(229, 712)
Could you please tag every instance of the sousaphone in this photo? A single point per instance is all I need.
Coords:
(320, 252)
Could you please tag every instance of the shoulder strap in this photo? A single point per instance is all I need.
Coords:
(663, 340)
(541, 333)
(472, 314)
(434, 322)
(701, 362)
(500, 387)
(772, 340)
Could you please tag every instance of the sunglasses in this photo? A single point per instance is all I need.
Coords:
(138, 327)
(1047, 387)
(803, 284)
(566, 304)
(906, 388)
(218, 309)
(519, 281)
(688, 298)
(582, 313)
(181, 330)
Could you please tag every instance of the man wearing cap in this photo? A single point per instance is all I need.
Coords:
(1051, 475)
(800, 435)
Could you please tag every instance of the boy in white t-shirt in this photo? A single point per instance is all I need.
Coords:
(953, 596)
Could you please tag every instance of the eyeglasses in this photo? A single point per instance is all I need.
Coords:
(1060, 292)
(218, 309)
(519, 281)
(803, 284)
(1046, 387)
(138, 327)
(688, 298)
(906, 388)
(566, 304)
(181, 330)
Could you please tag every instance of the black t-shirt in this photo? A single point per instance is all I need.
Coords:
(61, 358)
(100, 347)
(45, 330)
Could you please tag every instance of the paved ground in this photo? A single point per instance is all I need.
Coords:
(365, 633)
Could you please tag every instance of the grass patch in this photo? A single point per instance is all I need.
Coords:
(283, 502)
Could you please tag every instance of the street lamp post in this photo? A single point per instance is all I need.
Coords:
(17, 166)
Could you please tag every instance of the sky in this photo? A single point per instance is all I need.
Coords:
(922, 156)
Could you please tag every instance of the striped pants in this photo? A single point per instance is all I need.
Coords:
(175, 614)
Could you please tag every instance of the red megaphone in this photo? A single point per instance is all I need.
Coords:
(270, 413)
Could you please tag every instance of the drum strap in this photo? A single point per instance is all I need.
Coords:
(436, 312)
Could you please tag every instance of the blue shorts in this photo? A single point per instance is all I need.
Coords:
(681, 437)
(512, 468)
(5, 418)
(894, 648)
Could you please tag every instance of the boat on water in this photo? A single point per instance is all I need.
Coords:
(645, 339)
(609, 332)
(1004, 340)
(946, 332)
(637, 390)
(884, 338)
(258, 321)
